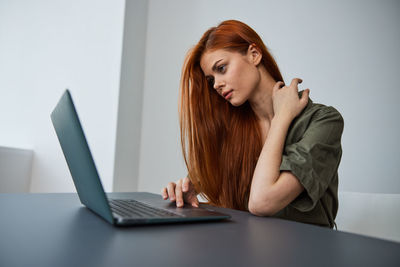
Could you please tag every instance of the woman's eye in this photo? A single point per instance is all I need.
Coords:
(221, 68)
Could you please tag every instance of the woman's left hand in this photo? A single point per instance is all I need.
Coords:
(286, 101)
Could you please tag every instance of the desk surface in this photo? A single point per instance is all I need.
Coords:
(56, 230)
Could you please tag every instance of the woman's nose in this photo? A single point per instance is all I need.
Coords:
(218, 84)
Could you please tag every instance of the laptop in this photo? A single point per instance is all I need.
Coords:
(87, 182)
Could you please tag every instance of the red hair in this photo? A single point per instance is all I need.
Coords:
(220, 143)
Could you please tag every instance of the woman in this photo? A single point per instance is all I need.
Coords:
(249, 141)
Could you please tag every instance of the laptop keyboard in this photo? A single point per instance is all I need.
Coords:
(133, 208)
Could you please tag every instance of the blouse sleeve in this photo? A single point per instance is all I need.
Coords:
(314, 159)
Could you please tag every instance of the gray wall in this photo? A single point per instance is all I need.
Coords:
(346, 52)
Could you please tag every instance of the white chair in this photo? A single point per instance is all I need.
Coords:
(15, 169)
(375, 215)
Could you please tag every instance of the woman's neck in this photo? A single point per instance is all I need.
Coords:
(261, 99)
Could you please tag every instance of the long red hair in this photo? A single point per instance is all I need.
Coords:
(220, 143)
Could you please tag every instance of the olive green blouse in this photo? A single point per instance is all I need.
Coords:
(312, 152)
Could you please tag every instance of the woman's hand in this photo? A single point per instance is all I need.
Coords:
(182, 192)
(286, 101)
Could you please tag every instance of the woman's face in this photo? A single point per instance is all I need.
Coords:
(233, 75)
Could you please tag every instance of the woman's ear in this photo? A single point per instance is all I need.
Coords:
(254, 54)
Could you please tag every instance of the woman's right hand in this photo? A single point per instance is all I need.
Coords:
(181, 192)
(286, 101)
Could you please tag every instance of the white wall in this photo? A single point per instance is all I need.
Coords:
(370, 214)
(15, 170)
(127, 147)
(345, 51)
(45, 47)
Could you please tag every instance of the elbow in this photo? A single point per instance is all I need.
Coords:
(261, 208)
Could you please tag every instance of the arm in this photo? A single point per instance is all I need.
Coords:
(272, 190)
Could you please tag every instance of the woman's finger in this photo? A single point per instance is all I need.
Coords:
(171, 191)
(194, 201)
(295, 82)
(185, 184)
(278, 85)
(179, 194)
(191, 198)
(304, 97)
(164, 193)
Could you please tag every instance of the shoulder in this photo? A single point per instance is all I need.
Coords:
(317, 110)
(314, 115)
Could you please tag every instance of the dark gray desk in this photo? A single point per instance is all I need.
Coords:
(56, 230)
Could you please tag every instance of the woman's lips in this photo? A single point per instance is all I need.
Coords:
(228, 95)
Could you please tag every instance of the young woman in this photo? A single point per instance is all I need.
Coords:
(249, 141)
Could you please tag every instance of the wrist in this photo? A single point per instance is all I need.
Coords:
(282, 119)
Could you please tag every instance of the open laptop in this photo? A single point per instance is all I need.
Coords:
(90, 190)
